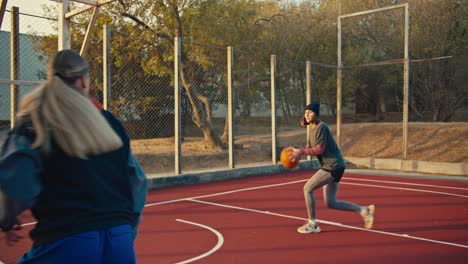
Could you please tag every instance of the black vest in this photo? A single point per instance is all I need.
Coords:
(81, 195)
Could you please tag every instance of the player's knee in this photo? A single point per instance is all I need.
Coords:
(307, 190)
(330, 204)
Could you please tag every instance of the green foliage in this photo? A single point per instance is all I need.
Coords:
(295, 31)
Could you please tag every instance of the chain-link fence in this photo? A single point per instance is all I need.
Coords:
(324, 90)
(204, 108)
(252, 100)
(30, 62)
(373, 92)
(373, 108)
(4, 88)
(143, 102)
(372, 83)
(141, 95)
(438, 100)
(438, 103)
(290, 102)
(439, 90)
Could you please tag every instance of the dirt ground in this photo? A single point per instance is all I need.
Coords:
(438, 142)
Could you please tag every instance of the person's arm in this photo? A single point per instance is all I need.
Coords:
(139, 189)
(20, 167)
(315, 150)
(318, 149)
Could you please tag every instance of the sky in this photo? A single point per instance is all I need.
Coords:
(29, 6)
(30, 23)
(27, 23)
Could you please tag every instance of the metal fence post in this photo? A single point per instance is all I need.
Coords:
(230, 113)
(63, 7)
(406, 87)
(308, 98)
(274, 157)
(106, 66)
(177, 108)
(14, 63)
(338, 86)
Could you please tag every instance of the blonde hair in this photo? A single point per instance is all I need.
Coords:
(61, 112)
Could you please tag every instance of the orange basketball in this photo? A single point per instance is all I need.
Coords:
(284, 158)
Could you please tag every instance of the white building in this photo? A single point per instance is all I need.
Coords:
(31, 69)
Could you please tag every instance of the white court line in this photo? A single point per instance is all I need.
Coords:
(293, 182)
(28, 224)
(407, 183)
(218, 245)
(227, 192)
(288, 183)
(333, 223)
(405, 189)
(214, 194)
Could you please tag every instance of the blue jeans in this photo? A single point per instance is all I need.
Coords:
(113, 245)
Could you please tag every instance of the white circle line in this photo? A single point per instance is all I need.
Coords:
(332, 223)
(214, 249)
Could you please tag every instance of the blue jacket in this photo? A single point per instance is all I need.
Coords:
(68, 195)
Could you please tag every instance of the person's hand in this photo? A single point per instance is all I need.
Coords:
(295, 154)
(12, 236)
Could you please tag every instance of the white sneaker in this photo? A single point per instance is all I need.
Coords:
(368, 216)
(308, 228)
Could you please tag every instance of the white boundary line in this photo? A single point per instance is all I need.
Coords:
(214, 194)
(288, 183)
(408, 175)
(299, 181)
(218, 245)
(332, 223)
(408, 183)
(28, 224)
(227, 192)
(405, 189)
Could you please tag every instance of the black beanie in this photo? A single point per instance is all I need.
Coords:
(314, 107)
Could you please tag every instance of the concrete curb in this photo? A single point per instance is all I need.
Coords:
(444, 168)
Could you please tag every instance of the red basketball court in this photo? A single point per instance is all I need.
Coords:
(254, 220)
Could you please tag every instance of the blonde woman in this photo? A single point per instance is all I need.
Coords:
(323, 146)
(70, 162)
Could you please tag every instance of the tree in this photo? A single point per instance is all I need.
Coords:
(233, 23)
(439, 29)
